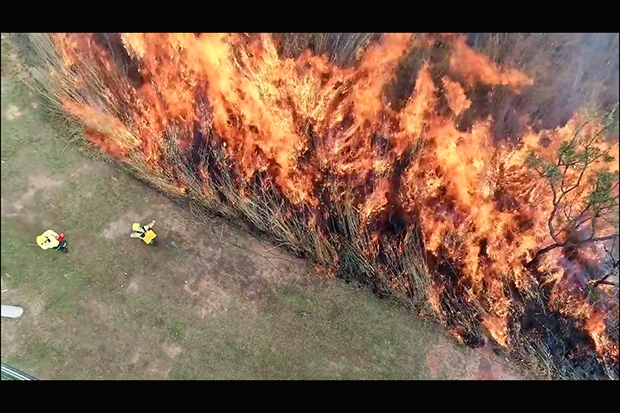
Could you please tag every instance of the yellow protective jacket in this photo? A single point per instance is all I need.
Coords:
(49, 239)
(143, 232)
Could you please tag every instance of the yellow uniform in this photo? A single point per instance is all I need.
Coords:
(47, 240)
(144, 232)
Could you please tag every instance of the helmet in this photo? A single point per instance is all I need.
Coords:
(41, 239)
(135, 226)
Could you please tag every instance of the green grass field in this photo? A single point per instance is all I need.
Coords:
(210, 302)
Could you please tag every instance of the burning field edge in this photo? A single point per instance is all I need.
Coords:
(367, 236)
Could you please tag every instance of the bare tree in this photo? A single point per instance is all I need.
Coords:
(585, 200)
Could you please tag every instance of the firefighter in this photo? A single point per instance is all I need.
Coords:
(49, 239)
(144, 232)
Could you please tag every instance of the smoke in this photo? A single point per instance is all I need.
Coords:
(571, 70)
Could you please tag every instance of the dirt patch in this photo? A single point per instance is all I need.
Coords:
(41, 182)
(210, 297)
(204, 266)
(254, 267)
(172, 351)
(492, 367)
(122, 226)
(34, 308)
(33, 305)
(25, 297)
(133, 286)
(339, 368)
(6, 208)
(38, 185)
(135, 357)
(446, 361)
(84, 170)
(231, 262)
(159, 369)
(10, 331)
(12, 113)
(97, 309)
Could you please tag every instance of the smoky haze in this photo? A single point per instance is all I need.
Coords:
(571, 70)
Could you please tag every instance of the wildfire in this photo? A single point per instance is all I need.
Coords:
(310, 125)
(595, 326)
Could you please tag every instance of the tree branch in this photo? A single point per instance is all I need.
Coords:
(603, 280)
(605, 283)
(580, 160)
(533, 263)
(599, 239)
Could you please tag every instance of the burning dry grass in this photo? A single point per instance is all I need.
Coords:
(400, 161)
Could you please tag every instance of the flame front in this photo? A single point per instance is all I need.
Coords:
(326, 134)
